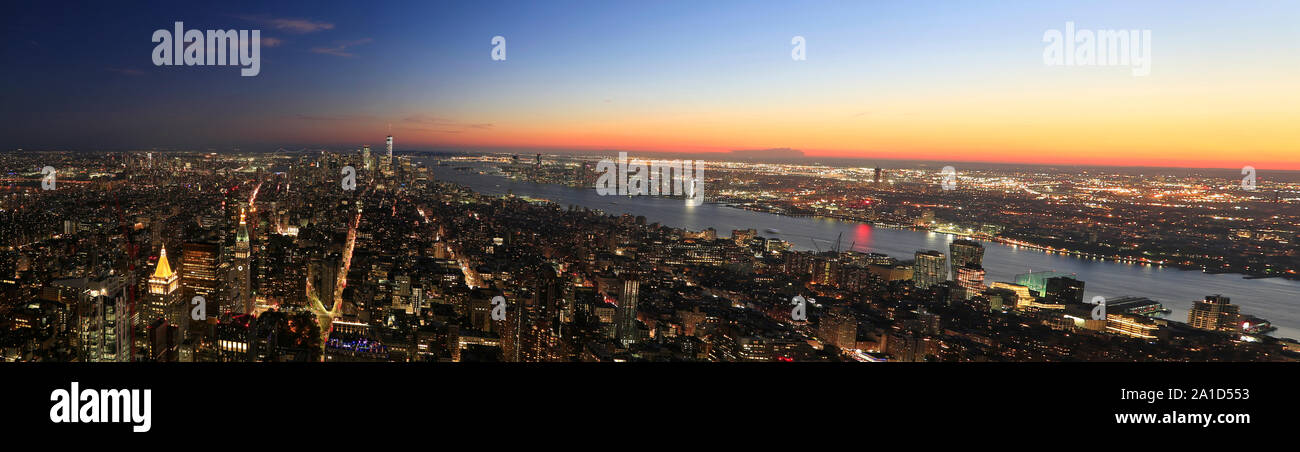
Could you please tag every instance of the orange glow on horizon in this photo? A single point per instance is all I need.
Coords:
(1170, 124)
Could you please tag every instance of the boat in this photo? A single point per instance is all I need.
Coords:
(772, 231)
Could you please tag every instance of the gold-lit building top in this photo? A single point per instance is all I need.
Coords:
(164, 280)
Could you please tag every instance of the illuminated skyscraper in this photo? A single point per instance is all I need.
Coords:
(242, 303)
(166, 303)
(627, 301)
(103, 318)
(365, 157)
(164, 292)
(199, 263)
(386, 167)
(964, 252)
(930, 269)
(970, 277)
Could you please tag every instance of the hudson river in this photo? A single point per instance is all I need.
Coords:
(1274, 299)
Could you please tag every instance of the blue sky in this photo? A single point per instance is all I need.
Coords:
(80, 76)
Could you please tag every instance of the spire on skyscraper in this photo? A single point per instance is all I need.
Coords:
(164, 270)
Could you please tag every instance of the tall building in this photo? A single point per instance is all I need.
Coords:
(365, 157)
(879, 172)
(627, 301)
(970, 277)
(965, 252)
(930, 269)
(103, 324)
(242, 302)
(323, 273)
(1215, 313)
(166, 300)
(154, 306)
(839, 328)
(825, 271)
(387, 165)
(200, 262)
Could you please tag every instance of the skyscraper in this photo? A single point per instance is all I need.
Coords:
(627, 301)
(323, 273)
(964, 252)
(242, 303)
(165, 296)
(387, 165)
(199, 263)
(103, 318)
(969, 277)
(165, 299)
(930, 269)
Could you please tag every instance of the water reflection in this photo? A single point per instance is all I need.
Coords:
(1271, 299)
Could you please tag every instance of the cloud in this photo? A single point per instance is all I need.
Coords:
(271, 42)
(450, 125)
(426, 129)
(424, 119)
(341, 49)
(299, 26)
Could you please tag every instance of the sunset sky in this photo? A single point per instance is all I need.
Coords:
(946, 81)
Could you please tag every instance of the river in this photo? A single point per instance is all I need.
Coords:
(1274, 299)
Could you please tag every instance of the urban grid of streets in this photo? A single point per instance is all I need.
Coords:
(410, 264)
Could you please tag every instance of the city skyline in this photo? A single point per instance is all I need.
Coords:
(494, 257)
(960, 83)
(328, 221)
